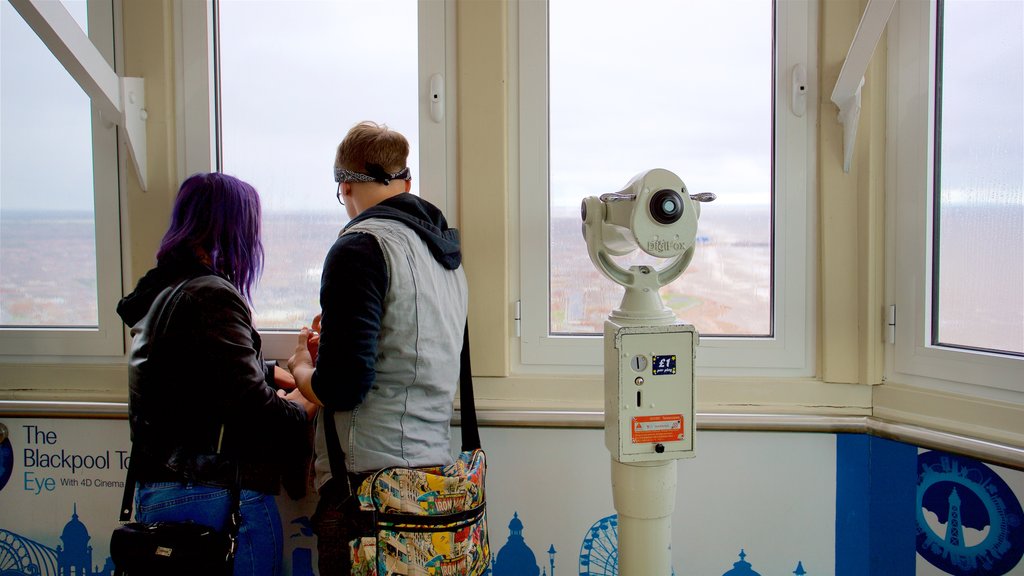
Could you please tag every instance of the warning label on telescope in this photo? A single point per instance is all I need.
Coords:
(662, 428)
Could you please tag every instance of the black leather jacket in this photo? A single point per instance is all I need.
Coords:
(200, 369)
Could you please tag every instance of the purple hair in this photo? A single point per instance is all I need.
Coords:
(221, 215)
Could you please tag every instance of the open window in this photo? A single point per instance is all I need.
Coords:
(60, 257)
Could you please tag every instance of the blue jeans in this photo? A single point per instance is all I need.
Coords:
(260, 543)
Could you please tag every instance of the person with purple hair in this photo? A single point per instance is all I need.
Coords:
(203, 405)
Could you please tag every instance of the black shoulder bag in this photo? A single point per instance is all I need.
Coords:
(172, 548)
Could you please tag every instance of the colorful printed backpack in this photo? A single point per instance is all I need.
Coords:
(427, 522)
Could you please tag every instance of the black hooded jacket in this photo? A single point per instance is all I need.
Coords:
(352, 291)
(199, 369)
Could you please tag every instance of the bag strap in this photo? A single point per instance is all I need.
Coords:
(467, 411)
(161, 324)
(128, 497)
(467, 404)
(129, 487)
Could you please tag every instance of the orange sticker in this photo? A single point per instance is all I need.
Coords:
(663, 428)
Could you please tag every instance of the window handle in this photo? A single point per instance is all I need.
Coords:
(437, 98)
(799, 90)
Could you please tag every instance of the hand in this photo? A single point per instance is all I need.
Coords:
(283, 379)
(313, 343)
(301, 366)
(302, 358)
(313, 346)
(297, 397)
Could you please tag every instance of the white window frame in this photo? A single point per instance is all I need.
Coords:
(197, 136)
(790, 351)
(912, 359)
(107, 339)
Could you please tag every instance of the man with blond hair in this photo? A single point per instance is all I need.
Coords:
(393, 300)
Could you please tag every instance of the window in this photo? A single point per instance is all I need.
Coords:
(60, 260)
(282, 107)
(705, 90)
(979, 204)
(956, 195)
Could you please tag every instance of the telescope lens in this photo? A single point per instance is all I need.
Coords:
(666, 206)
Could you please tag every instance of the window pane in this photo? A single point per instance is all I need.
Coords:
(979, 250)
(684, 86)
(47, 219)
(79, 11)
(294, 77)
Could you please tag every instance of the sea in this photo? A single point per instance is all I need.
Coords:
(48, 275)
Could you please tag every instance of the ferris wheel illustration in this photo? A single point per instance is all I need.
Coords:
(21, 556)
(599, 553)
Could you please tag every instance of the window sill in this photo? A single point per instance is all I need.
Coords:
(714, 395)
(1001, 422)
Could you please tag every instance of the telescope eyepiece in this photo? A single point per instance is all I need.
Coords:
(666, 206)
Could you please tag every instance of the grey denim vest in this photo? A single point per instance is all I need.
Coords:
(405, 418)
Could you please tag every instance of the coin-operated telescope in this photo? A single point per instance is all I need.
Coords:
(648, 358)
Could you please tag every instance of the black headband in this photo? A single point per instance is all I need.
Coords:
(375, 173)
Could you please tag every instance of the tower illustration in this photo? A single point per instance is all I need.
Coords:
(515, 557)
(954, 526)
(75, 556)
(742, 568)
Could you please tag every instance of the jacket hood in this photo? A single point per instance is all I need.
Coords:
(426, 220)
(169, 271)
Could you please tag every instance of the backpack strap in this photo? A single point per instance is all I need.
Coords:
(467, 404)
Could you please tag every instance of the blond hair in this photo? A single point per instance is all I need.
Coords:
(372, 143)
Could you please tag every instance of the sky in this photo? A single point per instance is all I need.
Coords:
(297, 75)
(630, 90)
(636, 89)
(983, 103)
(45, 127)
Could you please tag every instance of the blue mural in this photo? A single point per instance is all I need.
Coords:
(598, 554)
(20, 556)
(900, 510)
(962, 494)
(302, 557)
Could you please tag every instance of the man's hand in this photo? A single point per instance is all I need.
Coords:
(302, 358)
(301, 366)
(313, 343)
